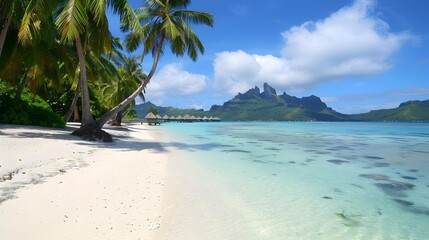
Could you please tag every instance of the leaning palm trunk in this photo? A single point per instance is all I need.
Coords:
(73, 104)
(3, 34)
(109, 115)
(87, 119)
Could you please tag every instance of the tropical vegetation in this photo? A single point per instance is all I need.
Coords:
(63, 52)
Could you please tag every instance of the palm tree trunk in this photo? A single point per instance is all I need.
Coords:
(86, 110)
(3, 34)
(73, 104)
(21, 87)
(76, 117)
(103, 119)
(118, 119)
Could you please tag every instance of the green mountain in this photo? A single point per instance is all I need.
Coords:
(255, 105)
(411, 111)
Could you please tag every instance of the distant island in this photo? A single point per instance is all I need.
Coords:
(255, 105)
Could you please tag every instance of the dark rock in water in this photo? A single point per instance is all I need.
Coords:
(292, 162)
(377, 177)
(259, 161)
(235, 150)
(409, 177)
(373, 157)
(413, 170)
(326, 197)
(93, 134)
(403, 202)
(395, 188)
(337, 161)
(310, 160)
(273, 149)
(381, 164)
(401, 186)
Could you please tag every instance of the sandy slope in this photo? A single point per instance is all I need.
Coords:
(65, 188)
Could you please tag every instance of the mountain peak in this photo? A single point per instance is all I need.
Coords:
(269, 92)
(250, 93)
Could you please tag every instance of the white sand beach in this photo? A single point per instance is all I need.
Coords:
(62, 187)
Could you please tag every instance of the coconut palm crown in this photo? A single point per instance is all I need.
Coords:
(167, 20)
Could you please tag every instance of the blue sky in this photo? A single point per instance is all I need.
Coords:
(356, 55)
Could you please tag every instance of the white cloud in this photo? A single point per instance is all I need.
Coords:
(352, 42)
(173, 81)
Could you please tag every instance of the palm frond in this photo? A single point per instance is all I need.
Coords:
(195, 17)
(73, 20)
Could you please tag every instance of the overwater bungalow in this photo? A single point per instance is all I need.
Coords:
(151, 119)
(187, 118)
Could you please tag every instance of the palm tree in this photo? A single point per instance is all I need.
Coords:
(130, 77)
(162, 22)
(79, 22)
(41, 62)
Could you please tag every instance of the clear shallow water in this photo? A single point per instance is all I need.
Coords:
(314, 180)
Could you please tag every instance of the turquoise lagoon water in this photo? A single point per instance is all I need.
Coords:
(313, 180)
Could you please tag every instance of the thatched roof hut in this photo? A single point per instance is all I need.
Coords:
(216, 119)
(187, 118)
(172, 118)
(158, 116)
(151, 119)
(150, 116)
(179, 118)
(165, 117)
(205, 119)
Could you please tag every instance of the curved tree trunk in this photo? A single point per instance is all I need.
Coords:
(87, 119)
(73, 104)
(21, 87)
(3, 34)
(109, 115)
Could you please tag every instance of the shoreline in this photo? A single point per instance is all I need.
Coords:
(64, 187)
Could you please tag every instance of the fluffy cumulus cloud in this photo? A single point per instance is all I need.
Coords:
(352, 42)
(172, 80)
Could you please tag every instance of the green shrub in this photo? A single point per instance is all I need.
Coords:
(29, 110)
